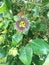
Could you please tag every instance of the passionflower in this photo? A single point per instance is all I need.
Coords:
(22, 25)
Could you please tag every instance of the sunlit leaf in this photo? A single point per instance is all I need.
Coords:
(2, 8)
(16, 39)
(39, 46)
(46, 61)
(2, 38)
(13, 51)
(26, 55)
(36, 11)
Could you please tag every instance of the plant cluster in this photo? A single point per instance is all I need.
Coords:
(24, 32)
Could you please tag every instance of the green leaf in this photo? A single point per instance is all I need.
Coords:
(36, 11)
(2, 52)
(26, 55)
(39, 46)
(44, 2)
(48, 14)
(16, 17)
(8, 4)
(16, 39)
(2, 8)
(13, 63)
(43, 27)
(4, 63)
(6, 23)
(37, 1)
(3, 60)
(1, 24)
(13, 51)
(37, 60)
(2, 38)
(8, 15)
(1, 15)
(46, 61)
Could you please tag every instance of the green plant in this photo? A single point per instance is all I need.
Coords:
(24, 40)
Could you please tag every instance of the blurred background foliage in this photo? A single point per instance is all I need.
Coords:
(28, 48)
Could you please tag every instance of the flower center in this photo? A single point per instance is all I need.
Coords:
(22, 24)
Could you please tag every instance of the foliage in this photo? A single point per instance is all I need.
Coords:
(30, 47)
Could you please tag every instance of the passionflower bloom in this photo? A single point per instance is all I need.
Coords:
(22, 25)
